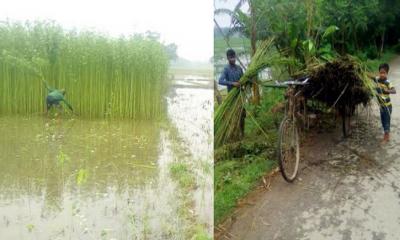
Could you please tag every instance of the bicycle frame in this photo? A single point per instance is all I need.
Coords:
(293, 100)
(288, 145)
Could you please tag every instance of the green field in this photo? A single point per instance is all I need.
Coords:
(102, 75)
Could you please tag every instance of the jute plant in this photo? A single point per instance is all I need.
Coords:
(103, 76)
(227, 115)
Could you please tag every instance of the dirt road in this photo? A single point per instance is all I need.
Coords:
(347, 190)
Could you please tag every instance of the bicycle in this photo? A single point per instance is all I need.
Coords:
(288, 149)
(288, 142)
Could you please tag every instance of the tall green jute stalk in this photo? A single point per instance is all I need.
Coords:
(227, 115)
(103, 76)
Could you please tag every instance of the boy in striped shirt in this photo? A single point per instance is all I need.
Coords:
(384, 88)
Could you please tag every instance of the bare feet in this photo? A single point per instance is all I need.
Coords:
(385, 139)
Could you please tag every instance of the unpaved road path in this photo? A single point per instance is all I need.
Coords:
(347, 190)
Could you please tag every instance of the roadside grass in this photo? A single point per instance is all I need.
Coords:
(200, 233)
(234, 179)
(239, 166)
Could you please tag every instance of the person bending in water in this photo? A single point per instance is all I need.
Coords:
(383, 89)
(55, 97)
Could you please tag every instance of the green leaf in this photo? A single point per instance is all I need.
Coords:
(82, 176)
(293, 43)
(330, 30)
(309, 45)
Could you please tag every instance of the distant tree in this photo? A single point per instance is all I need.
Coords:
(172, 51)
(152, 35)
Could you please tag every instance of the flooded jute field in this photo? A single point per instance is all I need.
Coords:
(73, 178)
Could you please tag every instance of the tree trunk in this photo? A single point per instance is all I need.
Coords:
(356, 40)
(253, 40)
(382, 43)
(310, 17)
(343, 42)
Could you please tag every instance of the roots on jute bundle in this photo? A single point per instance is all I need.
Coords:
(342, 83)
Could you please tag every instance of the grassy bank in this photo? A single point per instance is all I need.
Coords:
(239, 166)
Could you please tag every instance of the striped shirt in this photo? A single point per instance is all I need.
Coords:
(381, 86)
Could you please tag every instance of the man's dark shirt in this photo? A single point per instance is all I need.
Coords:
(231, 73)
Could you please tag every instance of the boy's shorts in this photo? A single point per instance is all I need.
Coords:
(386, 113)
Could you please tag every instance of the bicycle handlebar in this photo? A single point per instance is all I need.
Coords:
(298, 82)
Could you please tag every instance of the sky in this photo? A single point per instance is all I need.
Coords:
(187, 23)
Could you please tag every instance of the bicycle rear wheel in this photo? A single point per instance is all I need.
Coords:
(288, 149)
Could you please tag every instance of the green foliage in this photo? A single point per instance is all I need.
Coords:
(348, 26)
(103, 76)
(373, 64)
(396, 48)
(329, 31)
(263, 113)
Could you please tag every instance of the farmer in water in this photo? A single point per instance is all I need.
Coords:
(383, 89)
(55, 97)
(230, 77)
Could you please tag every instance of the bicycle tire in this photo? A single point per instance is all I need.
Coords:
(288, 173)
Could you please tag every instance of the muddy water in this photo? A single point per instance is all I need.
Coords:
(80, 179)
(195, 101)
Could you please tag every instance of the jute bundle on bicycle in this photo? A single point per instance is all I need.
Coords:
(227, 115)
(341, 83)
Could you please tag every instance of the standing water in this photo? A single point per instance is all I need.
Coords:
(119, 179)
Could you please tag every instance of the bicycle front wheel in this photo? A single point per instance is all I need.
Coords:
(288, 149)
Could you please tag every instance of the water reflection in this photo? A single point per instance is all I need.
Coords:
(80, 179)
(56, 164)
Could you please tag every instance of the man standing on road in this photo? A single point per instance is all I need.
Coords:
(230, 77)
